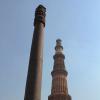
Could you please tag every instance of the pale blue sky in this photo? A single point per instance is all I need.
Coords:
(76, 22)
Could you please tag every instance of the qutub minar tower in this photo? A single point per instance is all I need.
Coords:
(59, 90)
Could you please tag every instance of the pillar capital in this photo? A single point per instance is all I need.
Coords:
(40, 14)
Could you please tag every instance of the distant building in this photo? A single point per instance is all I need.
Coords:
(59, 90)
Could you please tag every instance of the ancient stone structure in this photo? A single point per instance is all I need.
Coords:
(59, 90)
(34, 77)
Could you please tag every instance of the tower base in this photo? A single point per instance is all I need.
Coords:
(59, 97)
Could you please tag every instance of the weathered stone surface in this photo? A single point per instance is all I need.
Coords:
(34, 77)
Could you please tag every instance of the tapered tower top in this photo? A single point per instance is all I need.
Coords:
(58, 47)
(40, 14)
(58, 41)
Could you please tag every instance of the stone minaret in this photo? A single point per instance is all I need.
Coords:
(34, 77)
(59, 90)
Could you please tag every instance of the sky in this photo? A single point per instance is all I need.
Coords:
(75, 22)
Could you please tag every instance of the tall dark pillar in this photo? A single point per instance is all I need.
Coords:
(34, 77)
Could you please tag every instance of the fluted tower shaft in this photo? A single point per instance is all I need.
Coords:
(59, 89)
(34, 77)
